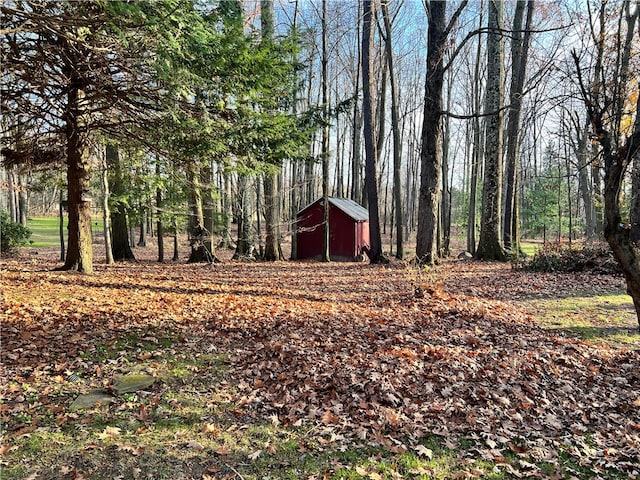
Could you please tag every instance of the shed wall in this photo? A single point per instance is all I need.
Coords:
(310, 232)
(346, 235)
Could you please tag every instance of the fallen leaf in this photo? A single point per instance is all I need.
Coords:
(329, 418)
(361, 471)
(254, 455)
(424, 451)
(211, 429)
(222, 450)
(109, 433)
(193, 445)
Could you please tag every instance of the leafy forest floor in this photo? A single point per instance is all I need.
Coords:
(310, 370)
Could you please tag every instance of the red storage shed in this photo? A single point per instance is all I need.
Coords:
(348, 230)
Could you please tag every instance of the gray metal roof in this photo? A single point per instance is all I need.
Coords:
(351, 208)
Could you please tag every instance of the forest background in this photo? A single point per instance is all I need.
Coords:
(217, 113)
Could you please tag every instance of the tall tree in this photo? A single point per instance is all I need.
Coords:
(477, 150)
(120, 246)
(71, 69)
(519, 58)
(272, 249)
(159, 209)
(326, 238)
(618, 151)
(371, 180)
(395, 128)
(431, 149)
(490, 243)
(356, 145)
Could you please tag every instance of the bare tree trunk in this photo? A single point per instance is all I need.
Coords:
(582, 165)
(397, 141)
(80, 245)
(478, 150)
(13, 203)
(356, 163)
(120, 245)
(619, 237)
(272, 249)
(272, 221)
(23, 201)
(371, 180)
(159, 224)
(142, 239)
(598, 197)
(176, 255)
(227, 210)
(296, 167)
(634, 207)
(198, 234)
(326, 239)
(431, 151)
(444, 238)
(61, 226)
(519, 57)
(244, 245)
(490, 243)
(106, 213)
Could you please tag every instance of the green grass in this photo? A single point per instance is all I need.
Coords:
(608, 318)
(529, 248)
(45, 231)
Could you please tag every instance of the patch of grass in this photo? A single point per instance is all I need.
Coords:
(607, 318)
(45, 231)
(530, 248)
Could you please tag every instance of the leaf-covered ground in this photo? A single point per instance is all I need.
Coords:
(351, 354)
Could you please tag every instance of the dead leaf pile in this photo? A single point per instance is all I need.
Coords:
(346, 348)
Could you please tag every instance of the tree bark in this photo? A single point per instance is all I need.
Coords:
(444, 248)
(80, 241)
(431, 151)
(490, 242)
(371, 180)
(326, 238)
(244, 245)
(634, 207)
(199, 235)
(23, 201)
(519, 57)
(272, 249)
(120, 245)
(142, 239)
(397, 141)
(13, 201)
(227, 203)
(159, 224)
(584, 187)
(617, 234)
(106, 213)
(477, 155)
(272, 218)
(61, 227)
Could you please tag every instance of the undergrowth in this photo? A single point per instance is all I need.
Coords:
(554, 257)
